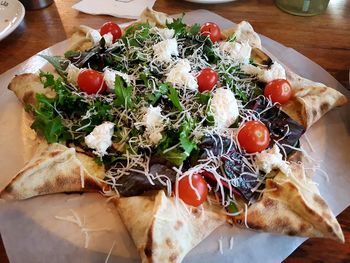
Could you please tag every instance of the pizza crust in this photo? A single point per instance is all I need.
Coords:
(166, 230)
(311, 100)
(294, 208)
(54, 169)
(292, 205)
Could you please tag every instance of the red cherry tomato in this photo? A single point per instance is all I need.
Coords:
(212, 30)
(110, 27)
(91, 81)
(188, 194)
(254, 136)
(279, 90)
(207, 79)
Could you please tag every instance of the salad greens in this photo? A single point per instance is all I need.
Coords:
(188, 131)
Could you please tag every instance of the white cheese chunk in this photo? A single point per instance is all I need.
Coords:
(165, 49)
(180, 75)
(108, 39)
(72, 74)
(153, 117)
(154, 122)
(271, 159)
(239, 52)
(94, 36)
(109, 77)
(276, 71)
(164, 33)
(224, 108)
(100, 138)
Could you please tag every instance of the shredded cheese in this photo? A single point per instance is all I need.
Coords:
(75, 219)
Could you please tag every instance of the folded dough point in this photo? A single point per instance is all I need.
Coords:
(292, 205)
(56, 169)
(165, 230)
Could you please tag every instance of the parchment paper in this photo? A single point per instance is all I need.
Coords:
(31, 233)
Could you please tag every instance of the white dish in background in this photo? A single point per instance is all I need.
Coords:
(11, 15)
(210, 1)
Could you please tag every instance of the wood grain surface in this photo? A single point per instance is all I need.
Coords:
(325, 39)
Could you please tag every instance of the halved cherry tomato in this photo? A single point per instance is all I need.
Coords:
(207, 79)
(279, 90)
(188, 194)
(254, 136)
(110, 27)
(91, 81)
(212, 30)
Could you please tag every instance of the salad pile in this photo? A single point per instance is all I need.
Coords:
(173, 108)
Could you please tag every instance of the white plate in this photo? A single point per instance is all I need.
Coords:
(32, 234)
(210, 1)
(11, 15)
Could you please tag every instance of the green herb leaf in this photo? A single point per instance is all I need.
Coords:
(203, 98)
(178, 25)
(45, 122)
(187, 144)
(232, 38)
(57, 63)
(175, 156)
(123, 94)
(194, 29)
(47, 79)
(71, 54)
(174, 98)
(232, 208)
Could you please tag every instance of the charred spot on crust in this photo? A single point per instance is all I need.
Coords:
(320, 201)
(173, 257)
(314, 113)
(257, 223)
(178, 225)
(8, 189)
(269, 203)
(324, 107)
(329, 229)
(255, 226)
(54, 153)
(44, 188)
(169, 243)
(291, 232)
(90, 183)
(303, 228)
(29, 98)
(196, 212)
(283, 222)
(149, 248)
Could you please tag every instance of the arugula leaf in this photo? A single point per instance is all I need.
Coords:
(178, 25)
(163, 88)
(57, 62)
(203, 98)
(194, 29)
(185, 142)
(174, 98)
(209, 52)
(123, 94)
(175, 156)
(232, 38)
(45, 121)
(71, 54)
(232, 208)
(47, 79)
(136, 35)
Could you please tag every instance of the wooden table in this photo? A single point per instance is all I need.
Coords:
(324, 38)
